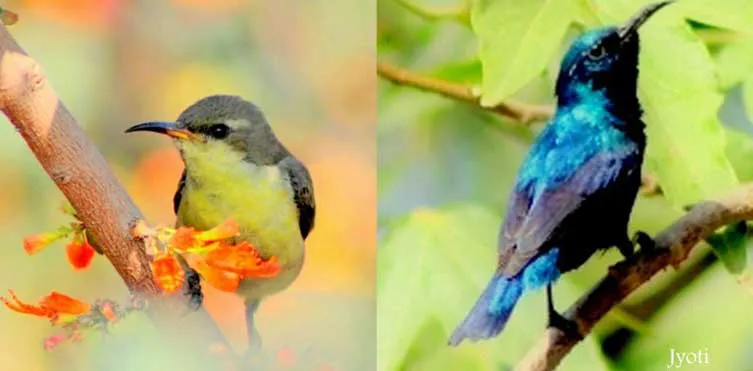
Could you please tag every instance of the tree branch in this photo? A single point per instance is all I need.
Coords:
(673, 245)
(72, 162)
(78, 169)
(521, 112)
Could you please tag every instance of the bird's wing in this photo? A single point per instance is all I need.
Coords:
(531, 221)
(179, 192)
(303, 192)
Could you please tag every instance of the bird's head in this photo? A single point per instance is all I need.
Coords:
(604, 59)
(221, 124)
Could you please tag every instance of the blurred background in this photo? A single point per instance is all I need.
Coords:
(446, 169)
(115, 63)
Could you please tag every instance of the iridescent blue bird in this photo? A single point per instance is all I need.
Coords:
(576, 189)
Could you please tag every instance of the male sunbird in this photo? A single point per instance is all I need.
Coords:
(576, 188)
(236, 168)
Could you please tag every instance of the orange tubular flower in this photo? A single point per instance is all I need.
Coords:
(80, 253)
(51, 306)
(36, 243)
(64, 304)
(168, 274)
(17, 305)
(219, 279)
(242, 259)
(183, 239)
(226, 230)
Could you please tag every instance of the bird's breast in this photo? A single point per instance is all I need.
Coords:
(258, 198)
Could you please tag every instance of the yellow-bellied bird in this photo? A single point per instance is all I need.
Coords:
(236, 168)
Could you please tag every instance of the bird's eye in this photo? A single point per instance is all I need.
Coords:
(597, 53)
(219, 131)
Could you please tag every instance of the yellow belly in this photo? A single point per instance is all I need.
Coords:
(221, 186)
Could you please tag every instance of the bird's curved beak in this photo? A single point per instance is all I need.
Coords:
(627, 31)
(167, 128)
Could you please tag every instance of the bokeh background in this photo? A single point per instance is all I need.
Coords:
(446, 169)
(114, 63)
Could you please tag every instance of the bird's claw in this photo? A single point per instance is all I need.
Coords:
(643, 240)
(192, 290)
(569, 327)
(627, 249)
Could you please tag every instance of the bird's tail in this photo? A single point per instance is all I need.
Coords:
(491, 311)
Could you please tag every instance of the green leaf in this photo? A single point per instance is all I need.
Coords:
(748, 95)
(421, 261)
(686, 144)
(734, 62)
(740, 152)
(709, 315)
(432, 267)
(732, 14)
(517, 39)
(731, 246)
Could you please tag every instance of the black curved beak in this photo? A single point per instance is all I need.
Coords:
(639, 19)
(168, 128)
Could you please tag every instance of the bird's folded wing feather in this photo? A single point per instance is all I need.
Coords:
(179, 192)
(531, 219)
(303, 192)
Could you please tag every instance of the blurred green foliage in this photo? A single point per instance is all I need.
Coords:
(446, 168)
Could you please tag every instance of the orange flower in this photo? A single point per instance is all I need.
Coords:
(108, 312)
(51, 306)
(36, 243)
(226, 230)
(168, 274)
(220, 279)
(64, 304)
(183, 239)
(53, 341)
(17, 305)
(242, 259)
(80, 253)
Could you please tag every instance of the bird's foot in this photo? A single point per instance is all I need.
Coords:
(192, 290)
(254, 343)
(253, 356)
(627, 249)
(643, 240)
(569, 327)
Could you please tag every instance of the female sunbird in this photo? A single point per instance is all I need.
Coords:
(575, 190)
(236, 168)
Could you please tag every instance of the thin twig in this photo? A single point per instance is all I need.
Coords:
(521, 112)
(673, 245)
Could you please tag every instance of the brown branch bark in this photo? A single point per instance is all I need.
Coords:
(521, 112)
(672, 247)
(72, 162)
(81, 173)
